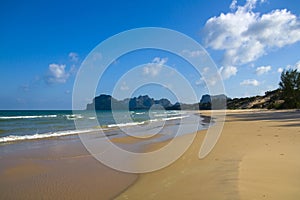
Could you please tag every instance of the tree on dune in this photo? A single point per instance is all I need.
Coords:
(290, 86)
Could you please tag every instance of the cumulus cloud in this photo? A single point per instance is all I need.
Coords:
(155, 66)
(57, 74)
(251, 82)
(233, 4)
(263, 69)
(245, 35)
(73, 57)
(228, 71)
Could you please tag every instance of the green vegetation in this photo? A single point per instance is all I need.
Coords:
(290, 87)
(287, 96)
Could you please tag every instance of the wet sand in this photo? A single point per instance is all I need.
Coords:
(256, 157)
(61, 171)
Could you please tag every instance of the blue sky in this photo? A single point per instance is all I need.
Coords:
(42, 44)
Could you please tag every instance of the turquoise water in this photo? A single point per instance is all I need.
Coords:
(18, 126)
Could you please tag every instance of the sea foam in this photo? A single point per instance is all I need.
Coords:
(28, 117)
(14, 138)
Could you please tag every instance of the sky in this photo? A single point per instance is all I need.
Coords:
(43, 45)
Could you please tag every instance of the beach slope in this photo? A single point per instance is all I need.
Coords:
(257, 157)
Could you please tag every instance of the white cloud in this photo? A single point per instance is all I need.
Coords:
(73, 57)
(155, 66)
(251, 82)
(193, 54)
(228, 71)
(245, 35)
(57, 74)
(263, 69)
(279, 70)
(206, 81)
(233, 4)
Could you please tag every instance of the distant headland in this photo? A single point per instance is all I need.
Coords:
(287, 96)
(271, 99)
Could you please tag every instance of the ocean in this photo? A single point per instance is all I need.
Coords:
(20, 126)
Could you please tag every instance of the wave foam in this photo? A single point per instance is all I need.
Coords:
(28, 117)
(14, 138)
(173, 118)
(125, 124)
(73, 117)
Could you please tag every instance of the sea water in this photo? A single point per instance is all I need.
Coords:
(18, 126)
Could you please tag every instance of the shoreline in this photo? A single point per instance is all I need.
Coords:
(60, 168)
(255, 158)
(8, 136)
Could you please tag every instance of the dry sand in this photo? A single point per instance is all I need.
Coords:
(257, 157)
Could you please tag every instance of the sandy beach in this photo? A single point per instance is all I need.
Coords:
(256, 157)
(58, 171)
